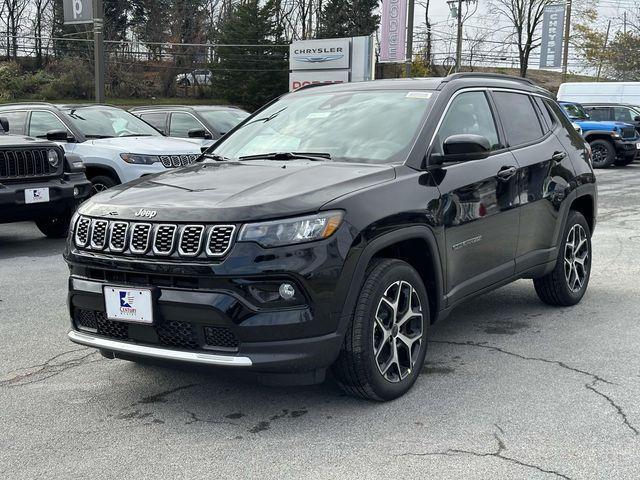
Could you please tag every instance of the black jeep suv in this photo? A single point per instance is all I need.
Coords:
(38, 182)
(334, 226)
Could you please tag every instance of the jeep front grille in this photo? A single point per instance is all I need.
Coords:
(175, 161)
(151, 239)
(26, 163)
(629, 132)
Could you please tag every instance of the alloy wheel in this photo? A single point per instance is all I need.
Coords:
(599, 154)
(397, 331)
(576, 258)
(98, 187)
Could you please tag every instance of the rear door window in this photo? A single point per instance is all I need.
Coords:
(16, 121)
(519, 118)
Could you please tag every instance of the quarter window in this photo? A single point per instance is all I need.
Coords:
(43, 122)
(469, 113)
(520, 121)
(547, 116)
(181, 123)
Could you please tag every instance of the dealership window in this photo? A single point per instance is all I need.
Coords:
(519, 118)
(469, 113)
(181, 123)
(43, 122)
(16, 121)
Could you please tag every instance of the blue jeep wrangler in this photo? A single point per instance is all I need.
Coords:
(611, 142)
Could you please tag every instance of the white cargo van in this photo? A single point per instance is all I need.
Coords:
(627, 93)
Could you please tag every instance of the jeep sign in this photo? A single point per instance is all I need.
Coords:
(78, 11)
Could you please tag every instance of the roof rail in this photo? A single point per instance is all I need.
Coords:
(17, 104)
(497, 76)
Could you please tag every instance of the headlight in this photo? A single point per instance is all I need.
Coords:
(53, 158)
(139, 159)
(292, 230)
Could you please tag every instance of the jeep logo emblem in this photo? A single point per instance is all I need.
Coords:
(146, 213)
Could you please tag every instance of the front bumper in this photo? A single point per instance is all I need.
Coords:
(627, 149)
(62, 198)
(205, 314)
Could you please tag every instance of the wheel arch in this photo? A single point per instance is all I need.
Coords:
(416, 245)
(95, 170)
(585, 204)
(599, 135)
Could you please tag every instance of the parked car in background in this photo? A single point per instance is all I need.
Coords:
(115, 145)
(205, 122)
(197, 77)
(611, 142)
(334, 227)
(600, 92)
(612, 112)
(39, 183)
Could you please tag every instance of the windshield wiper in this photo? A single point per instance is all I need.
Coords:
(213, 156)
(137, 135)
(313, 156)
(99, 136)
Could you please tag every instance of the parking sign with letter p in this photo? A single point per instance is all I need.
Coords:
(78, 11)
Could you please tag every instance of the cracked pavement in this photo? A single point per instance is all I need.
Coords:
(511, 388)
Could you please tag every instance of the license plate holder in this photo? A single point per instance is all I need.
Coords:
(36, 195)
(132, 305)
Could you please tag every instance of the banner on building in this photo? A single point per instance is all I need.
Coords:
(393, 31)
(552, 33)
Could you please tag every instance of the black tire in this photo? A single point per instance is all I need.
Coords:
(558, 287)
(604, 154)
(357, 370)
(55, 227)
(101, 183)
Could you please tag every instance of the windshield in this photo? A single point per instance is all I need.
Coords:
(575, 111)
(375, 126)
(224, 120)
(107, 122)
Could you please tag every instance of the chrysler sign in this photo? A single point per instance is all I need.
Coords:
(319, 54)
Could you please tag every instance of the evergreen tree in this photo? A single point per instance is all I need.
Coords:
(256, 71)
(348, 18)
(363, 19)
(335, 21)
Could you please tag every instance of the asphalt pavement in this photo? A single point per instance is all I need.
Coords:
(512, 389)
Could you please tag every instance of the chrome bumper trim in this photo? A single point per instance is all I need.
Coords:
(155, 352)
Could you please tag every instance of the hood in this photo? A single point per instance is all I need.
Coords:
(592, 125)
(10, 140)
(237, 191)
(147, 145)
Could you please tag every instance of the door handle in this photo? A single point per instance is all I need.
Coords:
(558, 156)
(506, 173)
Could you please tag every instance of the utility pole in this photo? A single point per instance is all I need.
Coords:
(567, 31)
(604, 50)
(98, 41)
(459, 38)
(409, 38)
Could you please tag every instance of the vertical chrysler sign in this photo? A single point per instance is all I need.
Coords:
(393, 31)
(552, 33)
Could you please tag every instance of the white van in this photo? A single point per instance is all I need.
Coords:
(627, 93)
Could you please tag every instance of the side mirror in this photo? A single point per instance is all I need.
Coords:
(57, 136)
(465, 147)
(637, 119)
(199, 133)
(4, 124)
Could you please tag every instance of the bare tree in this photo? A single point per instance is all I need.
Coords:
(526, 17)
(12, 20)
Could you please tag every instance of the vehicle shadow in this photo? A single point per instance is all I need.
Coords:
(24, 239)
(237, 404)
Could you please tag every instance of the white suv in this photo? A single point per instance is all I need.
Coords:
(115, 146)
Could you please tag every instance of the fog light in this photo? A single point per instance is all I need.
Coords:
(76, 191)
(287, 291)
